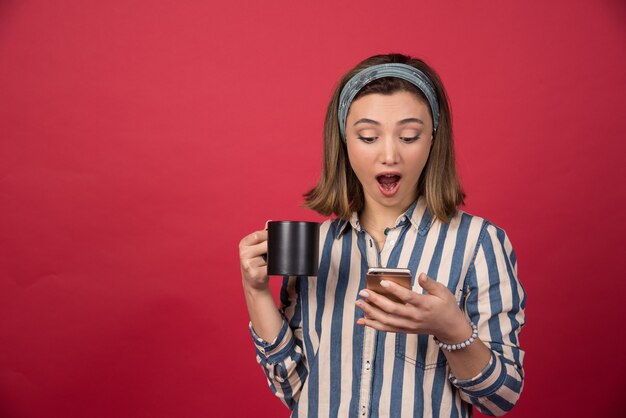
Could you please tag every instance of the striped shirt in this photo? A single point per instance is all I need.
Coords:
(322, 364)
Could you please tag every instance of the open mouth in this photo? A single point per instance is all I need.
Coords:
(388, 183)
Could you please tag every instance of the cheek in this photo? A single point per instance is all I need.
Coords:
(418, 160)
(360, 159)
(359, 167)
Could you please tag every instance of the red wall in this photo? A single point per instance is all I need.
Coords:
(140, 140)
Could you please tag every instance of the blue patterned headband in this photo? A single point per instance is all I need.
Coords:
(403, 71)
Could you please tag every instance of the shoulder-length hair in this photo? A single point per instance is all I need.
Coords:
(339, 191)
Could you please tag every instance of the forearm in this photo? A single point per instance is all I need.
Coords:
(496, 389)
(485, 379)
(264, 315)
(278, 352)
(495, 302)
(467, 362)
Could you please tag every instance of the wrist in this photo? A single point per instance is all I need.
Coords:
(460, 331)
(255, 290)
(460, 344)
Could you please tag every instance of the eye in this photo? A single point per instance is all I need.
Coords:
(367, 139)
(410, 139)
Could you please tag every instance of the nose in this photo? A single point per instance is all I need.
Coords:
(389, 152)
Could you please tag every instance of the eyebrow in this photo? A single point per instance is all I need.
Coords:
(410, 120)
(365, 120)
(402, 122)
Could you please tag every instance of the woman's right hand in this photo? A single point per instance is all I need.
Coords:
(253, 265)
(264, 316)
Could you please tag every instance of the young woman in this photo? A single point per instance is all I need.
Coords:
(389, 177)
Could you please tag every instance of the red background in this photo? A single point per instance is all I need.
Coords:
(141, 140)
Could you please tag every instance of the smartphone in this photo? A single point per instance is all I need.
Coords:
(376, 274)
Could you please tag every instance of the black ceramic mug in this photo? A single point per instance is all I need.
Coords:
(292, 248)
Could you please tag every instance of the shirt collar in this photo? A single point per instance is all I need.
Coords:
(417, 213)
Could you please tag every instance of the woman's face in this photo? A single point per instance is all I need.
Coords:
(388, 139)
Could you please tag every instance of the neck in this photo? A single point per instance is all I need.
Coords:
(376, 218)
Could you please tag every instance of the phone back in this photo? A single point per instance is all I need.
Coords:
(373, 283)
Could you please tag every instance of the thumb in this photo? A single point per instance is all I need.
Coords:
(267, 222)
(432, 286)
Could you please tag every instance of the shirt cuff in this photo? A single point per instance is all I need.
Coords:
(486, 382)
(279, 348)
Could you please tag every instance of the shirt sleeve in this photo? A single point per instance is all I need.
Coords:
(495, 302)
(283, 359)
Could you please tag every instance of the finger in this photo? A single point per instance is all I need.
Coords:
(381, 301)
(257, 262)
(254, 238)
(264, 255)
(433, 287)
(372, 323)
(255, 250)
(382, 315)
(254, 267)
(402, 293)
(368, 322)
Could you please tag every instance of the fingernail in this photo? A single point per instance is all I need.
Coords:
(360, 321)
(364, 293)
(384, 283)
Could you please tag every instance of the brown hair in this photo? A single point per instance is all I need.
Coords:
(339, 191)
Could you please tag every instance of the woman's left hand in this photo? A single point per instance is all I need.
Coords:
(435, 312)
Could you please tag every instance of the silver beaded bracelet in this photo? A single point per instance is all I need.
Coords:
(453, 347)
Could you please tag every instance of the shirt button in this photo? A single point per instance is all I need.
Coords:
(367, 365)
(393, 241)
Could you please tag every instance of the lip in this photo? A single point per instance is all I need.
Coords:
(389, 192)
(389, 173)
